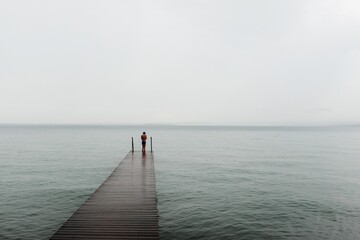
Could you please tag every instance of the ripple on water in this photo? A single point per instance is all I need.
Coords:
(212, 183)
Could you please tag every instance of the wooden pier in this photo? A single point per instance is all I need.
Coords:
(123, 207)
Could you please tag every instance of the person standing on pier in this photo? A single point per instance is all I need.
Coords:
(143, 141)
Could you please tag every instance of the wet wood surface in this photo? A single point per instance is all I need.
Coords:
(123, 207)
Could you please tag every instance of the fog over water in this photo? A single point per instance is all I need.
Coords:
(189, 62)
(254, 107)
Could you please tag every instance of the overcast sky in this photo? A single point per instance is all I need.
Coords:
(180, 61)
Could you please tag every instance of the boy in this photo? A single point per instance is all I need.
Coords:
(143, 141)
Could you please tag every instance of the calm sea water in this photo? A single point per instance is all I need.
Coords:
(212, 182)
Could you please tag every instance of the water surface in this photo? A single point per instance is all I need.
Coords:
(212, 182)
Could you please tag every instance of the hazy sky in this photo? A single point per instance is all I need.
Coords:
(180, 61)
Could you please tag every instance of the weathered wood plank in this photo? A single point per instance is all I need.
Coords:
(123, 207)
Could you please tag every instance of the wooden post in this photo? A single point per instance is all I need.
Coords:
(151, 143)
(132, 144)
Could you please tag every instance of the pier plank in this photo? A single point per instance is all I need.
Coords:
(123, 207)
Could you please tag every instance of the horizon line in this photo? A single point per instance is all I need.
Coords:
(190, 124)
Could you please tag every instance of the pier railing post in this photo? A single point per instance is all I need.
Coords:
(132, 144)
(151, 143)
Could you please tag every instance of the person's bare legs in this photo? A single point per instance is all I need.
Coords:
(143, 147)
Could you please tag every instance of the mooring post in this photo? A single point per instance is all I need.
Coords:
(151, 143)
(132, 144)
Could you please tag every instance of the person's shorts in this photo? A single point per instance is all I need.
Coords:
(143, 142)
